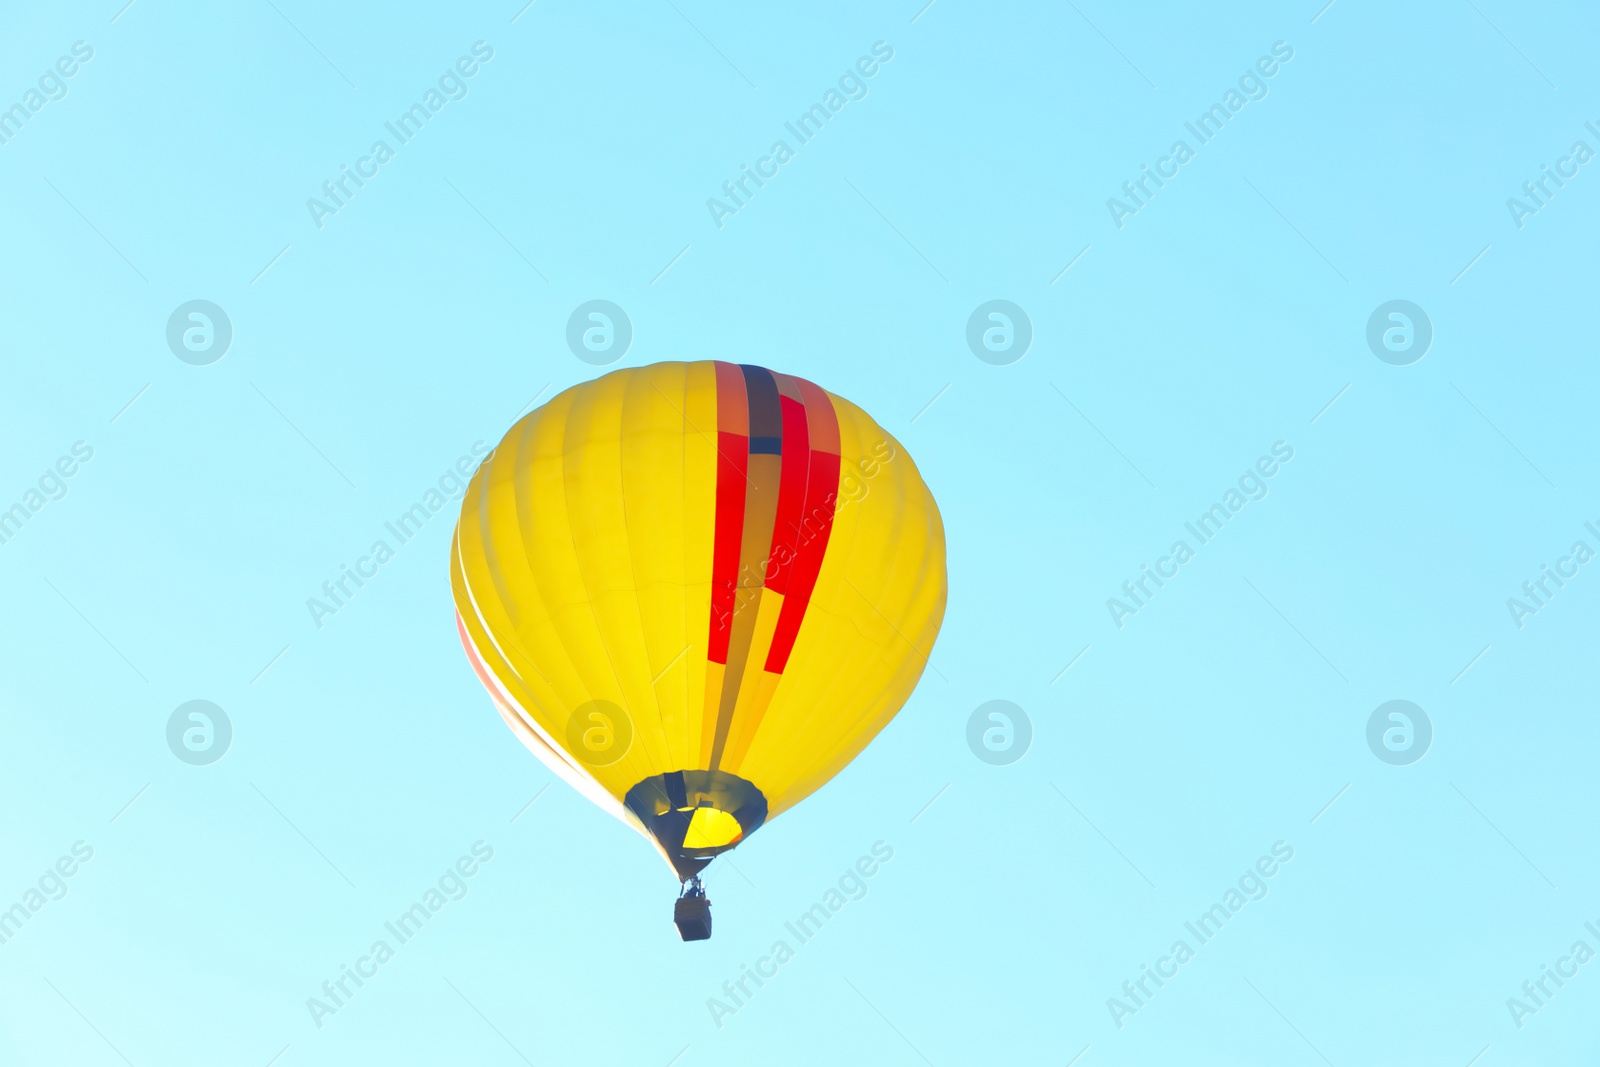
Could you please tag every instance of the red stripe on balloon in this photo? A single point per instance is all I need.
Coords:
(814, 525)
(733, 467)
(791, 496)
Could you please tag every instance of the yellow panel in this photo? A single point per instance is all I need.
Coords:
(617, 663)
(699, 506)
(652, 478)
(715, 678)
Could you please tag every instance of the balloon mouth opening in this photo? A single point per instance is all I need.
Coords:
(694, 816)
(711, 828)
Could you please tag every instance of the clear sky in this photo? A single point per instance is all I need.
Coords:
(1203, 335)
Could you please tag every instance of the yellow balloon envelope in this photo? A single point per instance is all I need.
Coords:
(696, 591)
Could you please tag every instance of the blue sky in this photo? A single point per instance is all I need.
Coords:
(1172, 348)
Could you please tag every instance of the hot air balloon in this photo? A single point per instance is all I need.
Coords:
(696, 591)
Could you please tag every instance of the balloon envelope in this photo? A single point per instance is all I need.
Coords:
(696, 591)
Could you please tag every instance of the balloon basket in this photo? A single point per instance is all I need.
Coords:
(692, 913)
